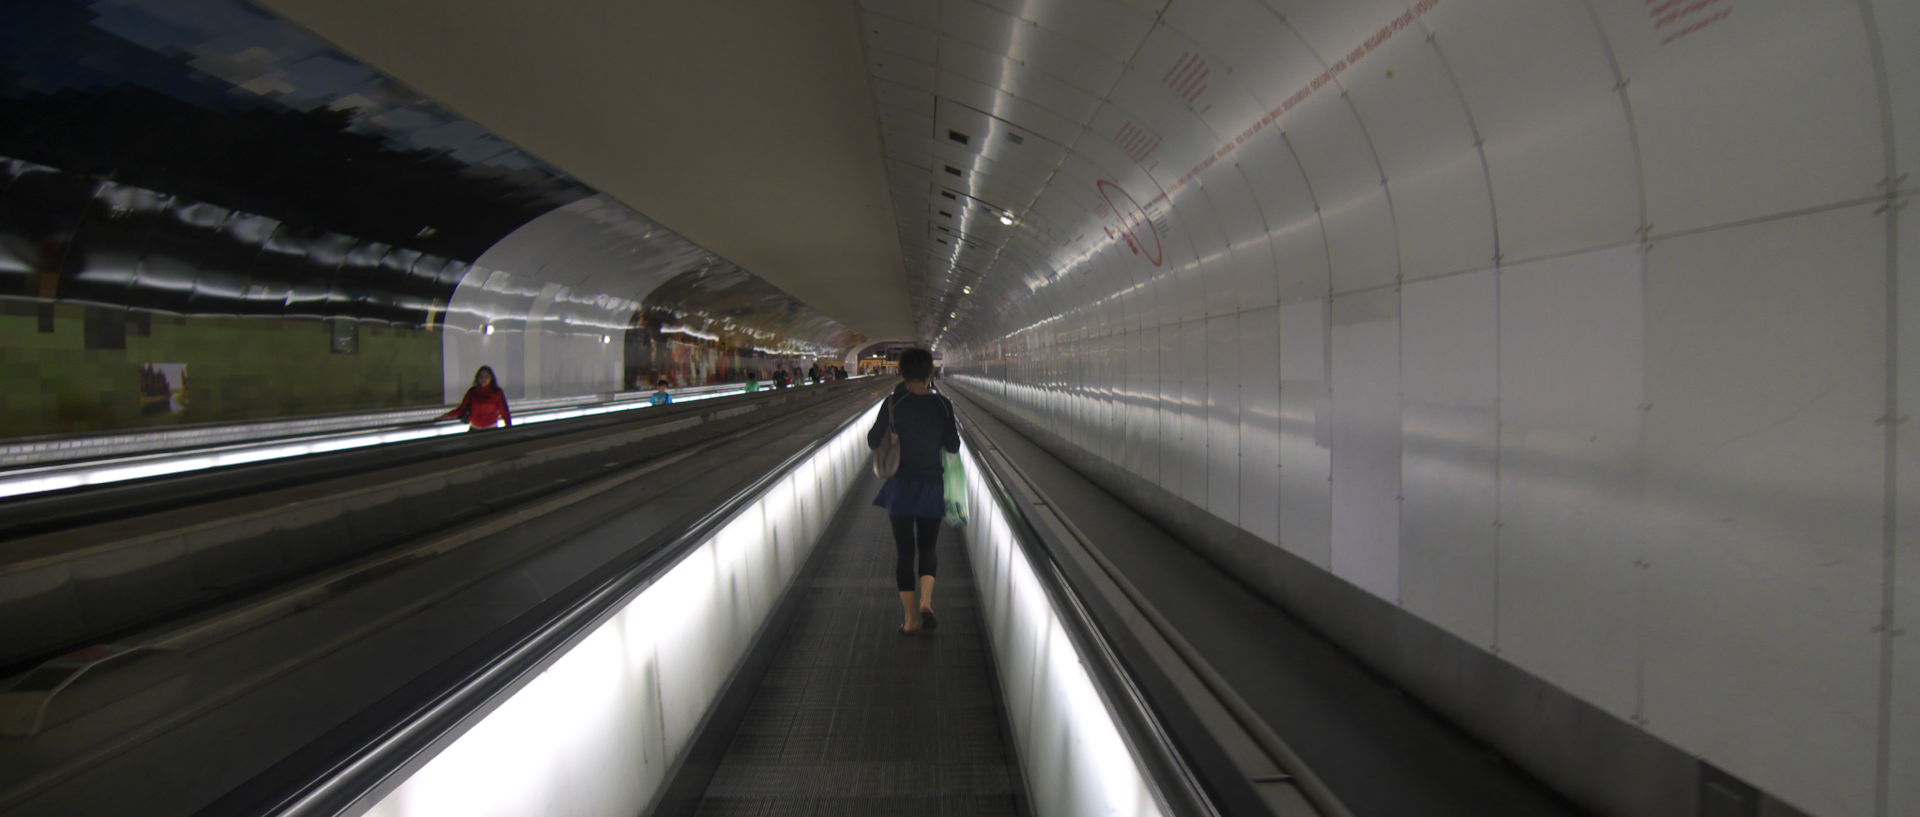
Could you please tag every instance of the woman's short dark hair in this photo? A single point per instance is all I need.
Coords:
(916, 364)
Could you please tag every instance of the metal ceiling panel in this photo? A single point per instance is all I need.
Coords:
(889, 94)
(1026, 42)
(1032, 85)
(922, 13)
(904, 70)
(888, 36)
(996, 138)
(1111, 29)
(1046, 123)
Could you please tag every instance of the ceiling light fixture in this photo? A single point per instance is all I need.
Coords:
(1007, 219)
(487, 330)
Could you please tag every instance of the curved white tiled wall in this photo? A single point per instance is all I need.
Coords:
(1573, 328)
(559, 294)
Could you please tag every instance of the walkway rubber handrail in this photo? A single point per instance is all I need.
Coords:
(1175, 783)
(21, 454)
(1310, 786)
(467, 693)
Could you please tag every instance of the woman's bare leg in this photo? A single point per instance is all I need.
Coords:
(910, 618)
(926, 593)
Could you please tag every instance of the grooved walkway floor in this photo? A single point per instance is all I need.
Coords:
(854, 719)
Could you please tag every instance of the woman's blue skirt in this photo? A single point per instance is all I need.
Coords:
(911, 497)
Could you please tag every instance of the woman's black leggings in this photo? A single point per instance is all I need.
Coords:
(904, 528)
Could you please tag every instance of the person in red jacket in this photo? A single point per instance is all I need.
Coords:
(485, 403)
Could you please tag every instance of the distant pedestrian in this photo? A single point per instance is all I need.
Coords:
(660, 396)
(915, 497)
(753, 380)
(813, 374)
(485, 404)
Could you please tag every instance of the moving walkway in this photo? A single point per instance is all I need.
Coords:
(739, 656)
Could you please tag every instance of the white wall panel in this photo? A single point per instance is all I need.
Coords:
(1265, 54)
(1143, 411)
(1293, 221)
(1571, 344)
(1441, 205)
(1903, 678)
(1259, 369)
(1536, 79)
(1223, 417)
(1764, 487)
(1449, 382)
(1193, 411)
(1366, 441)
(1713, 105)
(1334, 152)
(1306, 521)
(1894, 23)
(1172, 390)
(1244, 278)
(1631, 481)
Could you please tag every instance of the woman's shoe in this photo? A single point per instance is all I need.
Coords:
(927, 621)
(906, 632)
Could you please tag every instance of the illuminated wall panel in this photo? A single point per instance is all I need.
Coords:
(596, 732)
(1588, 344)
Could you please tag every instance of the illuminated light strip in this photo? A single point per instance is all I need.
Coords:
(41, 479)
(1039, 663)
(599, 728)
(113, 445)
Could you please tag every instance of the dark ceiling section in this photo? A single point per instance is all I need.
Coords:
(745, 312)
(202, 156)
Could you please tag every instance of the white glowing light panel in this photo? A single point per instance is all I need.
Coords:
(99, 472)
(1072, 755)
(596, 732)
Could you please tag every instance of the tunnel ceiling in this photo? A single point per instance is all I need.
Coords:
(746, 127)
(980, 104)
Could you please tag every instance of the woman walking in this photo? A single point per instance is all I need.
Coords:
(484, 405)
(914, 497)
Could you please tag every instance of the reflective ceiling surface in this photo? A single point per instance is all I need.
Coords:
(747, 127)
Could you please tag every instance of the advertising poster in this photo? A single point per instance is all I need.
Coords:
(163, 388)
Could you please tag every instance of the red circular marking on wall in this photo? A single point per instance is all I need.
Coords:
(1136, 228)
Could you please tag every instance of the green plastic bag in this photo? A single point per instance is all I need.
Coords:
(954, 473)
